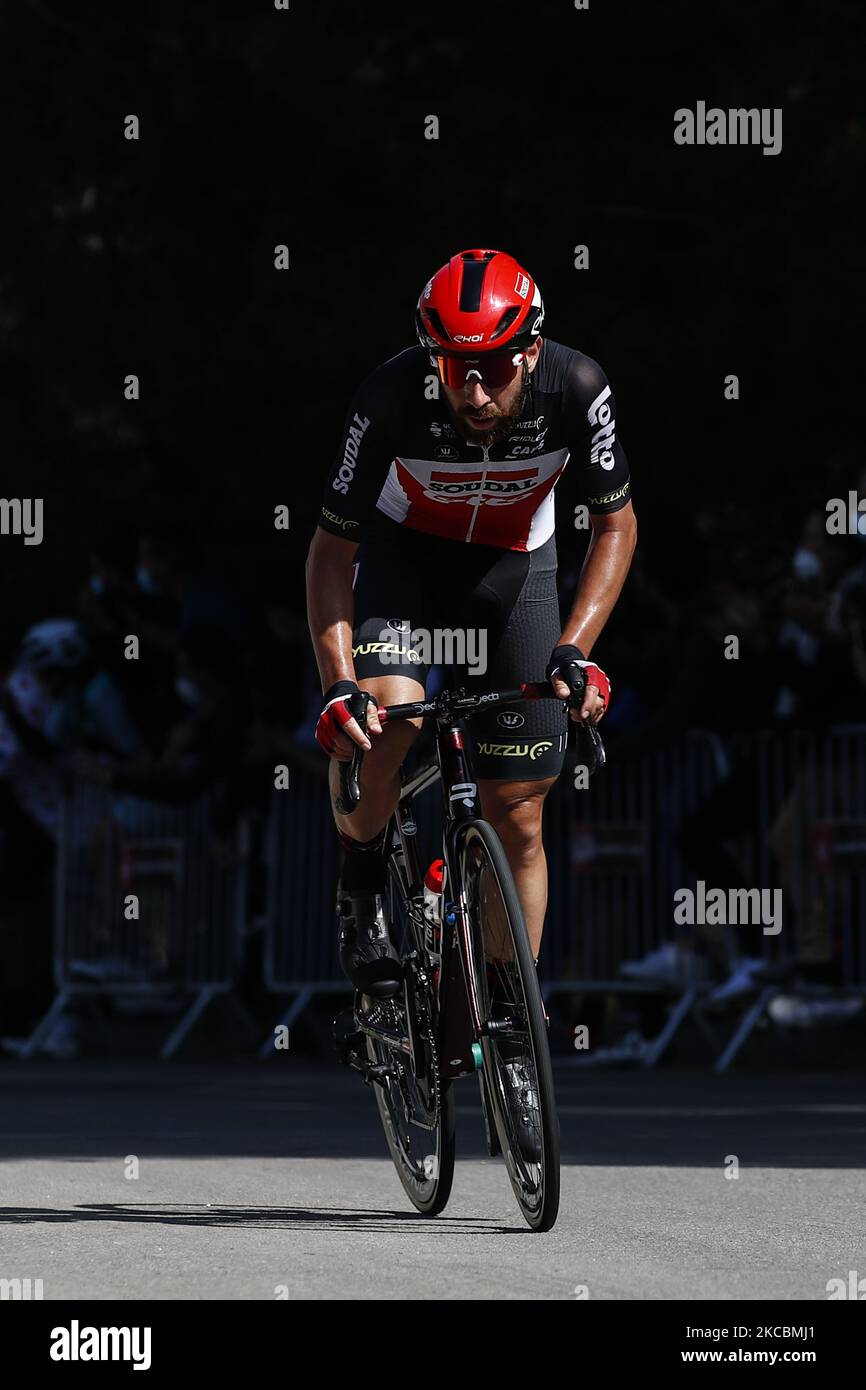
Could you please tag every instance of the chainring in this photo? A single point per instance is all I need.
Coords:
(422, 1100)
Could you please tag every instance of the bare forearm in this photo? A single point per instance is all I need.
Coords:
(601, 579)
(330, 608)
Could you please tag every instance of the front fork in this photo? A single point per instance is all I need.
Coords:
(463, 1015)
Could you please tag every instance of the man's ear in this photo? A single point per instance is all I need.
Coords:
(532, 362)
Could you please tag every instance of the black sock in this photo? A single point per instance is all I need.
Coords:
(363, 864)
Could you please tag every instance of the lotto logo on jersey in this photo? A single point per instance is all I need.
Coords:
(603, 440)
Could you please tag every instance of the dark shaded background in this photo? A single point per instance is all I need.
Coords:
(261, 127)
(306, 127)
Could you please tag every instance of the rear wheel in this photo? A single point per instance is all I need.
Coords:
(423, 1156)
(515, 1054)
(415, 1105)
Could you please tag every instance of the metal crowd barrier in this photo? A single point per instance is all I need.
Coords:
(147, 902)
(613, 860)
(811, 789)
(615, 864)
(812, 798)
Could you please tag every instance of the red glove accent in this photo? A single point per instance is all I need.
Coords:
(595, 676)
(331, 720)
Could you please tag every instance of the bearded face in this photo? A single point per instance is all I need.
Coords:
(487, 415)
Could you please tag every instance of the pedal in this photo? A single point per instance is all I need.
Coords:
(378, 1072)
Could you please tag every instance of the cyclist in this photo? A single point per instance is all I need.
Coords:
(438, 515)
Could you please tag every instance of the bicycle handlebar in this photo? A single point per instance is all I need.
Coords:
(349, 795)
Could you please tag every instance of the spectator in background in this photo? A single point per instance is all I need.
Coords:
(847, 606)
(48, 661)
(726, 696)
(54, 700)
(104, 602)
(111, 608)
(805, 639)
(204, 750)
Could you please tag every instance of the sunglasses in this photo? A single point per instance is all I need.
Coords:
(493, 369)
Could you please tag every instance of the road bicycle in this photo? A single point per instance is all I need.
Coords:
(471, 1002)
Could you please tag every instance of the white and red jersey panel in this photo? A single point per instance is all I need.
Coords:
(402, 458)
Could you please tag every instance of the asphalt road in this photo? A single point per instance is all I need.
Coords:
(255, 1178)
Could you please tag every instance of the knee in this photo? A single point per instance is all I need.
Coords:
(518, 824)
(389, 749)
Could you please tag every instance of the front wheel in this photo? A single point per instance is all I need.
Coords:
(517, 1073)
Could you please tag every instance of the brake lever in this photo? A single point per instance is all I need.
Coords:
(349, 795)
(597, 757)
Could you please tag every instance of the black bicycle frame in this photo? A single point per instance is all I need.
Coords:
(460, 794)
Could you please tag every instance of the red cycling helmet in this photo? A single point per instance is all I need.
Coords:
(480, 302)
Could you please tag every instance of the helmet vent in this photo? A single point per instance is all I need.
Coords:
(439, 327)
(505, 322)
(470, 286)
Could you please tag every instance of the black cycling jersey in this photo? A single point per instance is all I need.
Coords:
(402, 458)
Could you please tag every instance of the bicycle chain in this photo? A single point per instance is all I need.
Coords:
(386, 1012)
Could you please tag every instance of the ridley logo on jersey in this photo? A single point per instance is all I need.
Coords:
(521, 447)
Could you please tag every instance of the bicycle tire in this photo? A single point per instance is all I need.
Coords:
(429, 1190)
(478, 847)
(426, 1178)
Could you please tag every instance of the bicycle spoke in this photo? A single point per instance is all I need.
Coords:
(417, 1113)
